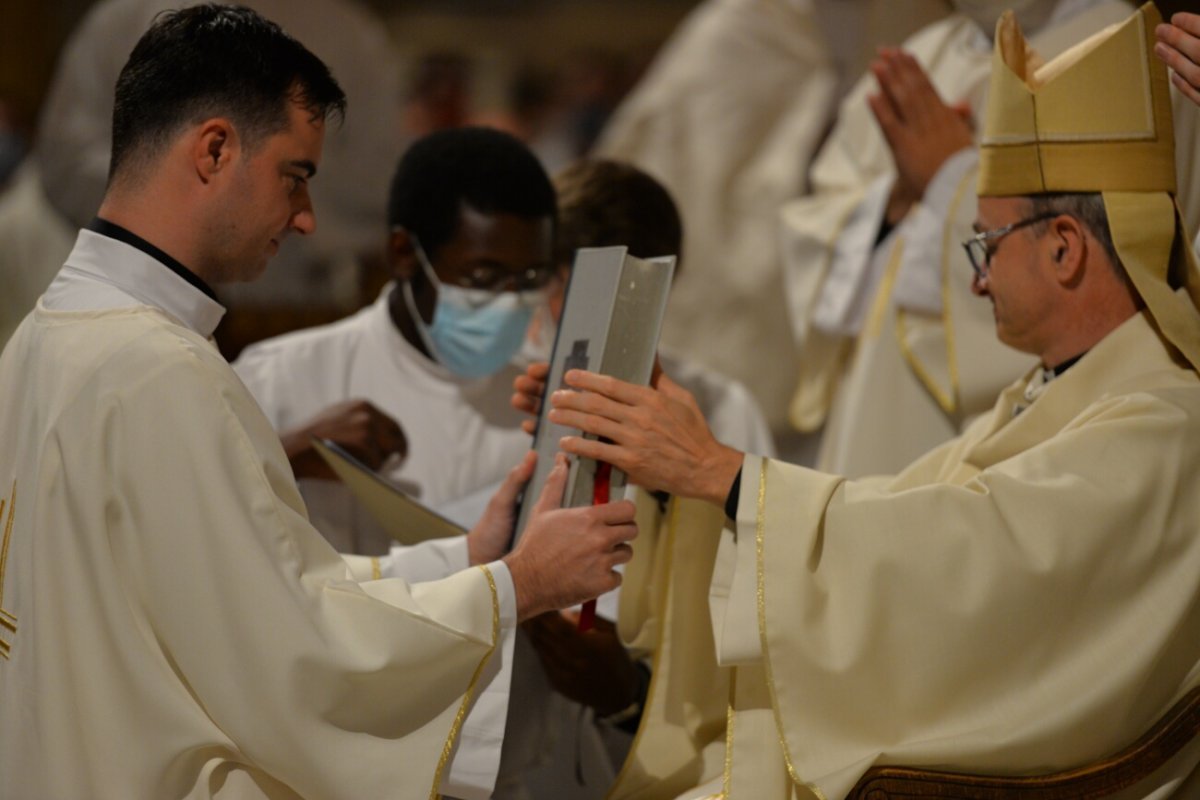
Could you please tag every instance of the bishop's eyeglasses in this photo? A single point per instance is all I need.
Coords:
(980, 252)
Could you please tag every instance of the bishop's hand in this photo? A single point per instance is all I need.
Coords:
(655, 435)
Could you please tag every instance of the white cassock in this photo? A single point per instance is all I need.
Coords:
(463, 434)
(172, 625)
(897, 355)
(1023, 599)
(728, 118)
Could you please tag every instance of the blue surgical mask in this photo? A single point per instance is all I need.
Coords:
(475, 332)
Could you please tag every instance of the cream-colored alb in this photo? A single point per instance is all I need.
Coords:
(1021, 600)
(172, 625)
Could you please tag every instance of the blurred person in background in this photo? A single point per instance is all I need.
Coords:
(728, 117)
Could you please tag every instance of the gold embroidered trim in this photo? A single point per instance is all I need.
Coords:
(826, 266)
(762, 633)
(12, 512)
(880, 306)
(448, 747)
(656, 659)
(948, 403)
(7, 619)
(727, 782)
(376, 570)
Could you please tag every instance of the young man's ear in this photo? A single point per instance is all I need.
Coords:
(402, 256)
(216, 147)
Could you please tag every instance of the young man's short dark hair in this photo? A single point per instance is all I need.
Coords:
(481, 168)
(214, 60)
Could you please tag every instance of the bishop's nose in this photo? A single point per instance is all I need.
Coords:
(979, 286)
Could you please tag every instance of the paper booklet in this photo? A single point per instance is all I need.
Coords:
(610, 324)
(404, 519)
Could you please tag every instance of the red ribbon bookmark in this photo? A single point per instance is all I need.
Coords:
(587, 615)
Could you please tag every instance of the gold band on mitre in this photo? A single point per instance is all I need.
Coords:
(1098, 119)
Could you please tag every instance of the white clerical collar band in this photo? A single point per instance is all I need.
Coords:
(114, 231)
(133, 274)
(1041, 379)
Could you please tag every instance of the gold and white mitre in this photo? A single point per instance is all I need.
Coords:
(1098, 119)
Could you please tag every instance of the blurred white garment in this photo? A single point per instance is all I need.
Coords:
(728, 118)
(463, 436)
(35, 240)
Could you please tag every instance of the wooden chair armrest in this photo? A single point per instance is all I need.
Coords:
(1098, 779)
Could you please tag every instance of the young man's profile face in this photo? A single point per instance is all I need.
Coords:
(268, 198)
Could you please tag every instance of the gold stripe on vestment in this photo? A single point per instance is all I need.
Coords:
(949, 403)
(879, 307)
(664, 595)
(761, 524)
(12, 512)
(448, 747)
(727, 783)
(7, 619)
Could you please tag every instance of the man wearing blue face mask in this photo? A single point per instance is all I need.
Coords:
(478, 322)
(471, 219)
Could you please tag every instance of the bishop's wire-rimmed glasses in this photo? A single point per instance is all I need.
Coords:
(977, 246)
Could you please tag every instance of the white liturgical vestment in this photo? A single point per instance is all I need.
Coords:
(463, 435)
(1023, 599)
(172, 626)
(36, 240)
(463, 438)
(727, 118)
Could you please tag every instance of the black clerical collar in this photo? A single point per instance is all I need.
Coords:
(114, 231)
(1064, 366)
